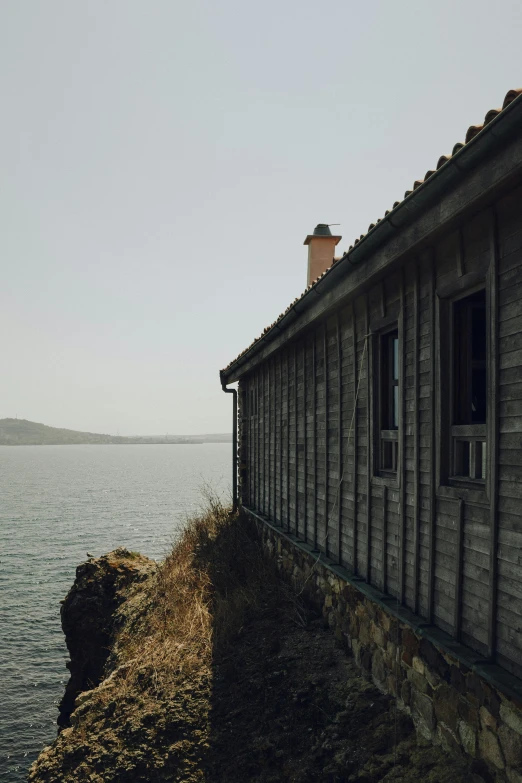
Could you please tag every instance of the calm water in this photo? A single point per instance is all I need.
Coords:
(57, 504)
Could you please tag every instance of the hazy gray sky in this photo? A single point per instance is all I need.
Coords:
(163, 160)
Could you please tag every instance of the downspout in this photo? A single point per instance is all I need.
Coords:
(234, 442)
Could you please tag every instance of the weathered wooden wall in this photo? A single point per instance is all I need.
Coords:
(452, 555)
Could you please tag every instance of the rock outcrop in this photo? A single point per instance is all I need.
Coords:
(89, 618)
(137, 703)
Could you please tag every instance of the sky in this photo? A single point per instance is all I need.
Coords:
(162, 162)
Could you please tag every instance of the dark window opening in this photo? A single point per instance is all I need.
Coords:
(388, 402)
(469, 458)
(390, 378)
(469, 388)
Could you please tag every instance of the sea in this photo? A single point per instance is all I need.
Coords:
(57, 503)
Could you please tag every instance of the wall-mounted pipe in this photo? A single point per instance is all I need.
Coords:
(234, 442)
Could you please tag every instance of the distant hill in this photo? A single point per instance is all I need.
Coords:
(20, 432)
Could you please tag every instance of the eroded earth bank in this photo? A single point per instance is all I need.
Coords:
(208, 668)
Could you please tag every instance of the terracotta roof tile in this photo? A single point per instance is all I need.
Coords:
(492, 113)
(510, 97)
(472, 131)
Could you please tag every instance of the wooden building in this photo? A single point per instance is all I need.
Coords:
(380, 417)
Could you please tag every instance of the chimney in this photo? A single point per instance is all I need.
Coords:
(321, 248)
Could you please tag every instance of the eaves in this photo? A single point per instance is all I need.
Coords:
(479, 169)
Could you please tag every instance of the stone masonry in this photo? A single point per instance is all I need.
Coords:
(454, 699)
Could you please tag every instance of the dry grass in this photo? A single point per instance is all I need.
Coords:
(192, 608)
(150, 718)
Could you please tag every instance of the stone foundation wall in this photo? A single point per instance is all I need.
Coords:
(454, 699)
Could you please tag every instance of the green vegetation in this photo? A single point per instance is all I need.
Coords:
(20, 432)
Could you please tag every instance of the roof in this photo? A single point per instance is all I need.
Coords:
(472, 132)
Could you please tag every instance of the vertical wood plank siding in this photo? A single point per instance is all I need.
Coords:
(287, 397)
(298, 444)
(264, 476)
(242, 443)
(267, 439)
(493, 435)
(433, 441)
(384, 555)
(423, 403)
(354, 428)
(321, 439)
(362, 438)
(295, 427)
(416, 447)
(326, 543)
(509, 565)
(346, 434)
(260, 428)
(458, 570)
(277, 439)
(293, 440)
(273, 441)
(340, 465)
(367, 353)
(305, 443)
(310, 439)
(450, 554)
(333, 472)
(281, 441)
(251, 441)
(257, 446)
(314, 403)
(402, 443)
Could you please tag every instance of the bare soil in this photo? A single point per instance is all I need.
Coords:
(289, 705)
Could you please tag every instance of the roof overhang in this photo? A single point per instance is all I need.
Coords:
(468, 180)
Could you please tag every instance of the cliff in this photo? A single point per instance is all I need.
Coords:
(207, 667)
(90, 617)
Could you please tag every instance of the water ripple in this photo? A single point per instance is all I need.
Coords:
(58, 503)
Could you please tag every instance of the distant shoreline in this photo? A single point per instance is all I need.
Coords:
(21, 432)
(124, 443)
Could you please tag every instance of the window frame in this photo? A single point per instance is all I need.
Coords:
(451, 434)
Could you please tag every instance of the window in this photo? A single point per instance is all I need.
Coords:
(388, 373)
(469, 388)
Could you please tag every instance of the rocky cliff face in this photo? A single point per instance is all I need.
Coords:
(89, 618)
(136, 705)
